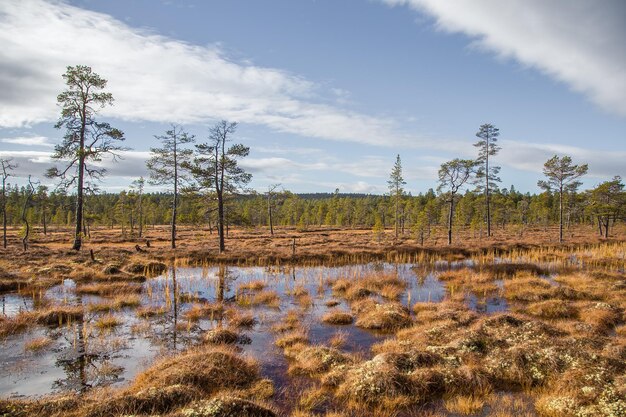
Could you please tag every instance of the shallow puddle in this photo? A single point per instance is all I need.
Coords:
(80, 355)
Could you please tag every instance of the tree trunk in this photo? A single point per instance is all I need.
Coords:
(140, 216)
(45, 227)
(175, 202)
(269, 212)
(25, 220)
(4, 213)
(78, 241)
(397, 212)
(450, 219)
(220, 221)
(561, 215)
(487, 197)
(600, 226)
(4, 227)
(174, 205)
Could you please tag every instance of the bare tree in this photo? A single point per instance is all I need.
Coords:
(28, 196)
(7, 166)
(562, 177)
(453, 175)
(85, 140)
(215, 167)
(166, 165)
(271, 193)
(487, 175)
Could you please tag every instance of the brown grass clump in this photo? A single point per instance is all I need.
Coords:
(292, 338)
(315, 360)
(108, 321)
(552, 309)
(37, 344)
(291, 321)
(219, 336)
(338, 317)
(150, 269)
(149, 401)
(465, 404)
(332, 303)
(384, 317)
(13, 325)
(268, 298)
(207, 369)
(57, 315)
(150, 311)
(212, 311)
(528, 289)
(109, 288)
(454, 274)
(357, 292)
(341, 285)
(391, 292)
(256, 285)
(7, 285)
(375, 382)
(118, 303)
(227, 406)
(603, 316)
(240, 319)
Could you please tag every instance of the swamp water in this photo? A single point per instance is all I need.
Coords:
(79, 355)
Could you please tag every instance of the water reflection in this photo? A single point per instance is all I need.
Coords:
(85, 357)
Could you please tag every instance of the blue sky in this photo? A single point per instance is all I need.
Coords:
(328, 92)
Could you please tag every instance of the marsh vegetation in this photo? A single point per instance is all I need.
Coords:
(532, 332)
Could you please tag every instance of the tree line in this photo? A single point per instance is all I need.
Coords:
(206, 186)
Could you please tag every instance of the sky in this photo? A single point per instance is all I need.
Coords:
(326, 92)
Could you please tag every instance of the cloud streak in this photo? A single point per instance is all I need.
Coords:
(28, 141)
(578, 42)
(158, 79)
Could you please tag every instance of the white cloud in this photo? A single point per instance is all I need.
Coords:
(28, 141)
(579, 42)
(159, 79)
(528, 156)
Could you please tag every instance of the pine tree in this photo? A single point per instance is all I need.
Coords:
(486, 174)
(396, 183)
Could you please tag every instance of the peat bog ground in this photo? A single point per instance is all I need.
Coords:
(345, 326)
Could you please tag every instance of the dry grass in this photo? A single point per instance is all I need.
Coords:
(528, 289)
(13, 325)
(221, 336)
(240, 319)
(56, 315)
(332, 303)
(338, 317)
(109, 288)
(316, 360)
(562, 349)
(208, 370)
(465, 404)
(552, 309)
(387, 317)
(118, 303)
(224, 406)
(108, 321)
(38, 344)
(292, 338)
(150, 311)
(267, 298)
(256, 285)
